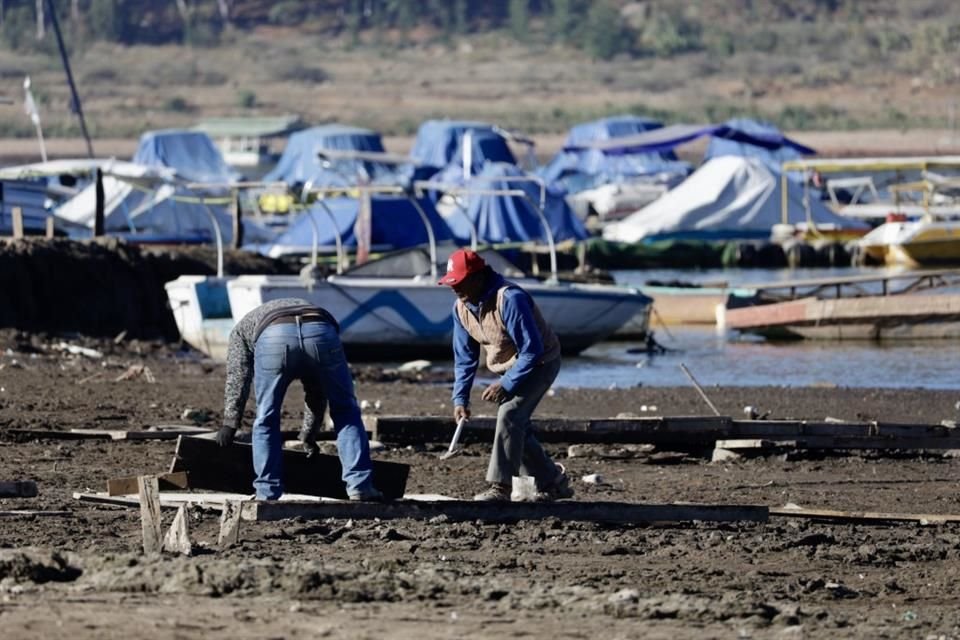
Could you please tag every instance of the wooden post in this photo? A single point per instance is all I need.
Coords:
(237, 222)
(98, 215)
(230, 524)
(17, 216)
(51, 228)
(150, 514)
(177, 539)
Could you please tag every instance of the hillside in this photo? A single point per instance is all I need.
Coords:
(805, 65)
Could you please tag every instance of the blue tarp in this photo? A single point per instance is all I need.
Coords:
(300, 162)
(751, 138)
(608, 128)
(505, 218)
(763, 136)
(394, 223)
(31, 197)
(191, 153)
(580, 166)
(485, 147)
(438, 142)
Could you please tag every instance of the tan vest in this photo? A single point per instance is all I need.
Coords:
(490, 331)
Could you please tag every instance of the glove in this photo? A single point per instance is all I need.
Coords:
(495, 393)
(308, 440)
(225, 436)
(460, 411)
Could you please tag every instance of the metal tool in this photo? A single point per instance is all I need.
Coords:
(697, 385)
(452, 450)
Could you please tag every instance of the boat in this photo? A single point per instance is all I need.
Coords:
(392, 307)
(916, 213)
(880, 307)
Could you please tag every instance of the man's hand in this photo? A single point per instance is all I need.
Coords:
(495, 393)
(225, 436)
(460, 412)
(308, 440)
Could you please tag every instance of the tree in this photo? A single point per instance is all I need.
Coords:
(604, 35)
(519, 18)
(561, 21)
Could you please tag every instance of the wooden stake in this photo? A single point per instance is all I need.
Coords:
(177, 539)
(17, 215)
(99, 205)
(51, 231)
(237, 222)
(229, 524)
(150, 514)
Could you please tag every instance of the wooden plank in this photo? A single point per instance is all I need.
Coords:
(50, 434)
(18, 489)
(231, 469)
(129, 485)
(861, 516)
(168, 500)
(230, 524)
(676, 432)
(464, 510)
(162, 433)
(693, 431)
(177, 539)
(150, 521)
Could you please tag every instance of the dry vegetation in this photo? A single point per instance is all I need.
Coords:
(883, 66)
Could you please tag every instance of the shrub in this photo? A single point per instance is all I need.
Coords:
(177, 104)
(246, 99)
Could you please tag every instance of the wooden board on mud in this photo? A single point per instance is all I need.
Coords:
(231, 469)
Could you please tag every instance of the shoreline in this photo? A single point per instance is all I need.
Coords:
(882, 142)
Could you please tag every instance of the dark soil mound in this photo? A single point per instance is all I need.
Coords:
(103, 287)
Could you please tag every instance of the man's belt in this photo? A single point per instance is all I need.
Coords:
(300, 319)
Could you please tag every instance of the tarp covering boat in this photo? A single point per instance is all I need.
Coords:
(301, 163)
(755, 139)
(727, 197)
(191, 153)
(394, 223)
(438, 143)
(31, 198)
(578, 166)
(512, 218)
(485, 147)
(162, 213)
(761, 135)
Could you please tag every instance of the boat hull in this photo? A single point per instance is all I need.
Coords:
(392, 318)
(400, 317)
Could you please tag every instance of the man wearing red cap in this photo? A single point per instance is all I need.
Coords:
(523, 350)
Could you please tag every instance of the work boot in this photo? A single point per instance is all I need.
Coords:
(371, 494)
(495, 493)
(560, 489)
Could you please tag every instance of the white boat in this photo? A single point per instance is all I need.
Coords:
(397, 317)
(392, 308)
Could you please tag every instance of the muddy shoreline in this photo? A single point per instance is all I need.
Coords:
(80, 574)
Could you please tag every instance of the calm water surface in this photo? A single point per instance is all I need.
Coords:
(735, 360)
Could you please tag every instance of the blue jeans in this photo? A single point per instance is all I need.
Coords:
(516, 449)
(312, 353)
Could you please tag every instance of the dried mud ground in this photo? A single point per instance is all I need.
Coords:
(81, 574)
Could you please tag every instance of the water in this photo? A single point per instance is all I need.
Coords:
(735, 360)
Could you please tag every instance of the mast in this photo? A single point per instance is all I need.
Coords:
(66, 67)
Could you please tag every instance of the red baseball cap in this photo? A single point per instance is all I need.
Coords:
(461, 264)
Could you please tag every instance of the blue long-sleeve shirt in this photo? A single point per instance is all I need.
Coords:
(521, 326)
